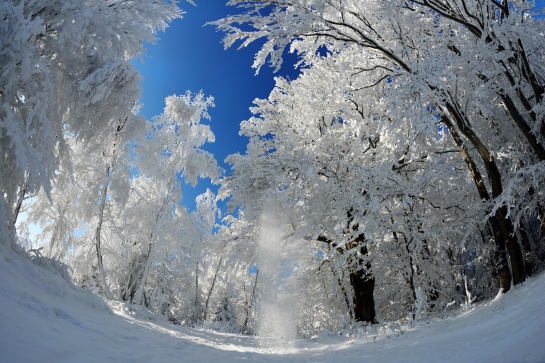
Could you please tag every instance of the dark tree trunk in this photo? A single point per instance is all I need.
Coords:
(211, 289)
(410, 275)
(527, 251)
(500, 256)
(494, 175)
(523, 127)
(361, 278)
(364, 302)
(513, 247)
(249, 304)
(20, 199)
(540, 214)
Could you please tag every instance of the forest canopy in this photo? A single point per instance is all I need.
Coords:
(399, 175)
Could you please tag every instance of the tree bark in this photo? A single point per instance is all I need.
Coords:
(364, 302)
(138, 297)
(494, 175)
(98, 240)
(102, 204)
(249, 305)
(523, 127)
(20, 199)
(527, 250)
(53, 241)
(361, 280)
(500, 256)
(513, 247)
(363, 284)
(211, 289)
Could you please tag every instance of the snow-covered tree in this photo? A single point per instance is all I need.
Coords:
(353, 182)
(70, 129)
(171, 152)
(65, 73)
(475, 66)
(134, 209)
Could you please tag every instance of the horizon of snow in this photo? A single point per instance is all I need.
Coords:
(47, 319)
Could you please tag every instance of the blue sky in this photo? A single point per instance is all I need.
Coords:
(190, 56)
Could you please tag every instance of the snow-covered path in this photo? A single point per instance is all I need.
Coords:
(44, 319)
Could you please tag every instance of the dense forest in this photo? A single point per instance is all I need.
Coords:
(399, 176)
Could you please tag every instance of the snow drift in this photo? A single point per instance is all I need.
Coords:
(47, 319)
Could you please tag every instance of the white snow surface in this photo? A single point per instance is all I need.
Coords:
(43, 318)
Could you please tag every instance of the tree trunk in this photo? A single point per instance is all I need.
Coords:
(500, 256)
(346, 297)
(361, 279)
(53, 241)
(139, 294)
(541, 217)
(131, 279)
(101, 211)
(197, 312)
(211, 289)
(527, 250)
(513, 247)
(98, 239)
(138, 297)
(363, 284)
(364, 302)
(20, 199)
(249, 305)
(494, 175)
(523, 127)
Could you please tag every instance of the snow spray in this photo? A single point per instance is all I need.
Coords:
(276, 327)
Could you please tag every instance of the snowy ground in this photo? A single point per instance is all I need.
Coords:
(44, 319)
